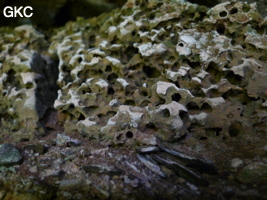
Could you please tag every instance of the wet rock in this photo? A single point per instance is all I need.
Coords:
(9, 155)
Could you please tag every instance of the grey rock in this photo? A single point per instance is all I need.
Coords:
(202, 165)
(147, 149)
(9, 155)
(182, 171)
(65, 140)
(236, 163)
(70, 184)
(102, 169)
(149, 163)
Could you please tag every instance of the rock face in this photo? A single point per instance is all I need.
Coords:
(183, 83)
(135, 75)
(27, 83)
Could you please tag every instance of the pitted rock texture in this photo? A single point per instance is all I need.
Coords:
(28, 82)
(172, 73)
(182, 84)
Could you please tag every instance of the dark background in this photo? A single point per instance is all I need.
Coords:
(54, 13)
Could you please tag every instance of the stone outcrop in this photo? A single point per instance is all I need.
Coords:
(156, 96)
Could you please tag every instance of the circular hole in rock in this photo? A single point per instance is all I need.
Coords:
(129, 134)
(176, 97)
(143, 93)
(111, 91)
(183, 115)
(181, 44)
(108, 69)
(152, 16)
(80, 59)
(112, 78)
(233, 11)
(223, 14)
(81, 117)
(165, 113)
(151, 72)
(133, 33)
(220, 29)
(29, 85)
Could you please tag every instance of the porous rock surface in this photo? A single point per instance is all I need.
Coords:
(158, 99)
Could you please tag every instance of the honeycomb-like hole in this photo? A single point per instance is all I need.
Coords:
(176, 97)
(80, 59)
(108, 68)
(150, 128)
(112, 78)
(87, 90)
(129, 134)
(81, 117)
(152, 16)
(233, 78)
(129, 102)
(223, 14)
(192, 106)
(111, 91)
(29, 85)
(220, 29)
(165, 113)
(143, 93)
(205, 106)
(183, 115)
(151, 72)
(213, 70)
(233, 11)
(181, 44)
